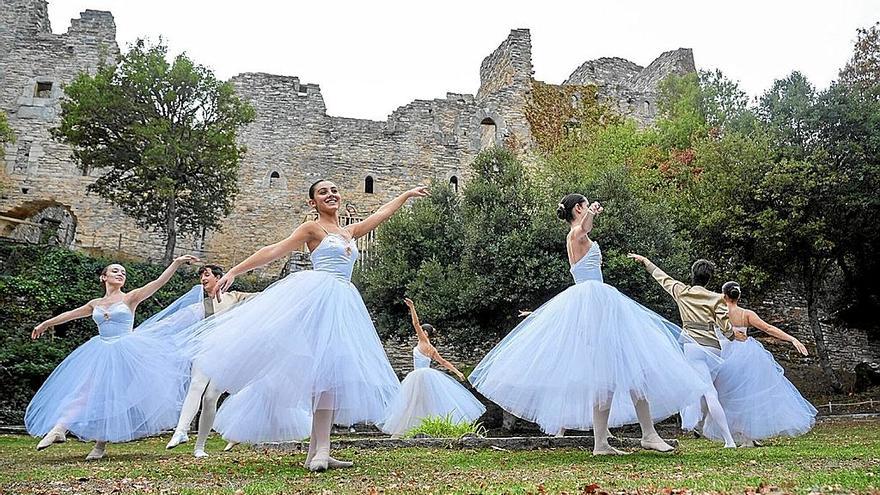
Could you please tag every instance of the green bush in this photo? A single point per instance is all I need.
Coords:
(445, 427)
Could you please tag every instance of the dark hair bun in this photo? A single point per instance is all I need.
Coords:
(563, 209)
(732, 290)
(560, 211)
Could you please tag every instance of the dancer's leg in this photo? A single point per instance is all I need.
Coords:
(650, 439)
(600, 430)
(716, 413)
(55, 435)
(319, 458)
(197, 385)
(206, 419)
(97, 452)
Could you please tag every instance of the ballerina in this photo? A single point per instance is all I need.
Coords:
(759, 400)
(121, 384)
(590, 357)
(309, 335)
(426, 392)
(201, 391)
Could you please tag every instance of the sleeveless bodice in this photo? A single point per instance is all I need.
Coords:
(114, 320)
(589, 267)
(420, 360)
(335, 255)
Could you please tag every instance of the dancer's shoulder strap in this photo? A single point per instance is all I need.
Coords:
(322, 227)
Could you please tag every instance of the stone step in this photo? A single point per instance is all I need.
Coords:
(505, 443)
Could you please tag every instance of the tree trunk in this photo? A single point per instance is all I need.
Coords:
(170, 230)
(818, 335)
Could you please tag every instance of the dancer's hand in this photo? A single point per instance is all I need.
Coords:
(740, 336)
(460, 376)
(39, 330)
(223, 285)
(638, 257)
(523, 313)
(595, 208)
(417, 192)
(801, 348)
(408, 302)
(186, 258)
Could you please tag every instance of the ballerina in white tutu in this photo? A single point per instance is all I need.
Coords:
(590, 357)
(121, 384)
(309, 335)
(759, 400)
(426, 392)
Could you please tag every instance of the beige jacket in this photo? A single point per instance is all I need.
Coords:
(227, 301)
(701, 310)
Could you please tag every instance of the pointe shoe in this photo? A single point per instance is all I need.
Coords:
(607, 450)
(96, 453)
(337, 464)
(319, 464)
(200, 453)
(656, 443)
(178, 438)
(229, 446)
(729, 445)
(51, 438)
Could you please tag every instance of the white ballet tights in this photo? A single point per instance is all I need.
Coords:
(600, 428)
(712, 409)
(646, 422)
(197, 385)
(319, 442)
(206, 418)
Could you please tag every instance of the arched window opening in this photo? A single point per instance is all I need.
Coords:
(453, 182)
(274, 179)
(488, 130)
(368, 184)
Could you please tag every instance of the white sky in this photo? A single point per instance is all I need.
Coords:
(369, 57)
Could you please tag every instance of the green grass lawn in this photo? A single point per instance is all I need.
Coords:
(834, 458)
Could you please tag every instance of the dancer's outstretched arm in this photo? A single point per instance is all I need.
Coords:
(592, 212)
(364, 227)
(74, 314)
(420, 332)
(669, 284)
(268, 254)
(435, 355)
(753, 320)
(138, 295)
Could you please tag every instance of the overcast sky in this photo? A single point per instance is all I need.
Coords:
(371, 57)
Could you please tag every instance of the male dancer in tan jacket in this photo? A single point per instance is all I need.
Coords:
(702, 311)
(200, 388)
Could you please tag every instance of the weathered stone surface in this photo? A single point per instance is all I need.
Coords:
(506, 443)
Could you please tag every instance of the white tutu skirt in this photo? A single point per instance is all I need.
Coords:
(757, 398)
(588, 345)
(260, 413)
(114, 390)
(426, 392)
(706, 361)
(309, 335)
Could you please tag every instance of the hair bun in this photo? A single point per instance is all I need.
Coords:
(560, 211)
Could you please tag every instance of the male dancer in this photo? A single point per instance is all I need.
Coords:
(200, 388)
(701, 311)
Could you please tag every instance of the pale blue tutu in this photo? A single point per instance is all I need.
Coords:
(426, 392)
(758, 399)
(310, 336)
(121, 384)
(588, 345)
(260, 413)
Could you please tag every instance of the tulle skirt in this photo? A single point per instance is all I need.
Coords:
(427, 392)
(588, 345)
(115, 390)
(308, 335)
(757, 398)
(706, 361)
(261, 413)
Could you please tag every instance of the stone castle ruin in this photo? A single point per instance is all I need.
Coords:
(292, 142)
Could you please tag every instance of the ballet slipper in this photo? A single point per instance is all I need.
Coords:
(654, 442)
(747, 444)
(200, 453)
(97, 452)
(55, 435)
(229, 446)
(607, 450)
(320, 463)
(177, 438)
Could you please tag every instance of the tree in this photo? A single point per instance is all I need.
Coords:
(162, 135)
(863, 69)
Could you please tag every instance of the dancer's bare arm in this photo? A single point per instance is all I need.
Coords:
(267, 254)
(363, 228)
(755, 321)
(74, 314)
(435, 355)
(420, 332)
(594, 210)
(140, 294)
